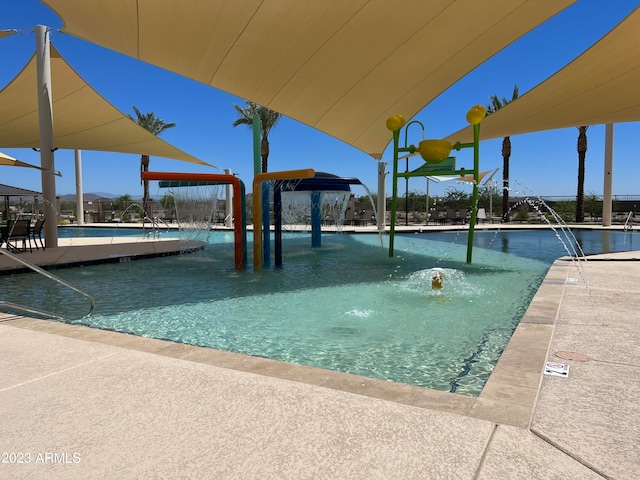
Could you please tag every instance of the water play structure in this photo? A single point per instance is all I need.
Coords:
(320, 183)
(283, 181)
(437, 161)
(261, 215)
(181, 179)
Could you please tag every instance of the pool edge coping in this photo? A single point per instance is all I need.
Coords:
(508, 397)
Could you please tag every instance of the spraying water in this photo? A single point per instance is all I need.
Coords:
(559, 227)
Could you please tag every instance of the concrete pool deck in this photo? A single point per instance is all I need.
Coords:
(86, 403)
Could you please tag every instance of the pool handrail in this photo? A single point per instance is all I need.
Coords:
(155, 226)
(49, 275)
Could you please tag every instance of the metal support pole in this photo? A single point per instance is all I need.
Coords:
(228, 212)
(266, 224)
(491, 201)
(45, 117)
(79, 193)
(406, 193)
(382, 200)
(426, 221)
(277, 221)
(394, 197)
(474, 196)
(316, 219)
(607, 203)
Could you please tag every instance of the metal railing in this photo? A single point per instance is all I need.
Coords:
(628, 224)
(4, 305)
(155, 227)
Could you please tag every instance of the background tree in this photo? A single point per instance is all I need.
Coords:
(487, 197)
(122, 202)
(582, 154)
(155, 125)
(593, 205)
(169, 205)
(268, 120)
(495, 105)
(457, 198)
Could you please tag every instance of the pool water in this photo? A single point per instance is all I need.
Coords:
(345, 306)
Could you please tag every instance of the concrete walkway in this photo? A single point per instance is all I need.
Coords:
(82, 403)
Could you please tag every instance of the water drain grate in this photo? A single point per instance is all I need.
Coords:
(572, 356)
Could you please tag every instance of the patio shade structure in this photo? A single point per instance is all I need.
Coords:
(83, 119)
(12, 162)
(600, 86)
(342, 67)
(8, 191)
(49, 91)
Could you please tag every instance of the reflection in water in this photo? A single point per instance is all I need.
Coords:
(604, 238)
(505, 245)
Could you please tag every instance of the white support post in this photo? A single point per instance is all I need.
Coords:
(45, 117)
(426, 221)
(607, 203)
(228, 216)
(79, 193)
(382, 194)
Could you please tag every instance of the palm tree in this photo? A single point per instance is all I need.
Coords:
(495, 105)
(155, 125)
(268, 120)
(582, 153)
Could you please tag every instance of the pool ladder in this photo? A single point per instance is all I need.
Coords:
(155, 227)
(4, 305)
(628, 224)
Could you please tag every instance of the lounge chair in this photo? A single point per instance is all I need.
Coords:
(18, 230)
(481, 215)
(36, 234)
(348, 217)
(451, 216)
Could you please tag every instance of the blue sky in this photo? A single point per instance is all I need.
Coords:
(544, 162)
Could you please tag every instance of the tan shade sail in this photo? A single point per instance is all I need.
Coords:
(9, 161)
(600, 86)
(6, 33)
(82, 118)
(465, 178)
(342, 67)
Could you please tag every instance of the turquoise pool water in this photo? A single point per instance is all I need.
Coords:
(346, 306)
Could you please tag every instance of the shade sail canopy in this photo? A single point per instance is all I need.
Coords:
(6, 33)
(12, 162)
(82, 118)
(600, 86)
(342, 67)
(465, 178)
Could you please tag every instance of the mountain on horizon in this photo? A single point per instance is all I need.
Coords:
(92, 197)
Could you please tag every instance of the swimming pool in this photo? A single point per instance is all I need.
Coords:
(345, 306)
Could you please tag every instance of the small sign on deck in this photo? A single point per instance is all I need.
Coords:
(556, 369)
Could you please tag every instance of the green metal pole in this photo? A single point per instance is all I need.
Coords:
(394, 197)
(474, 196)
